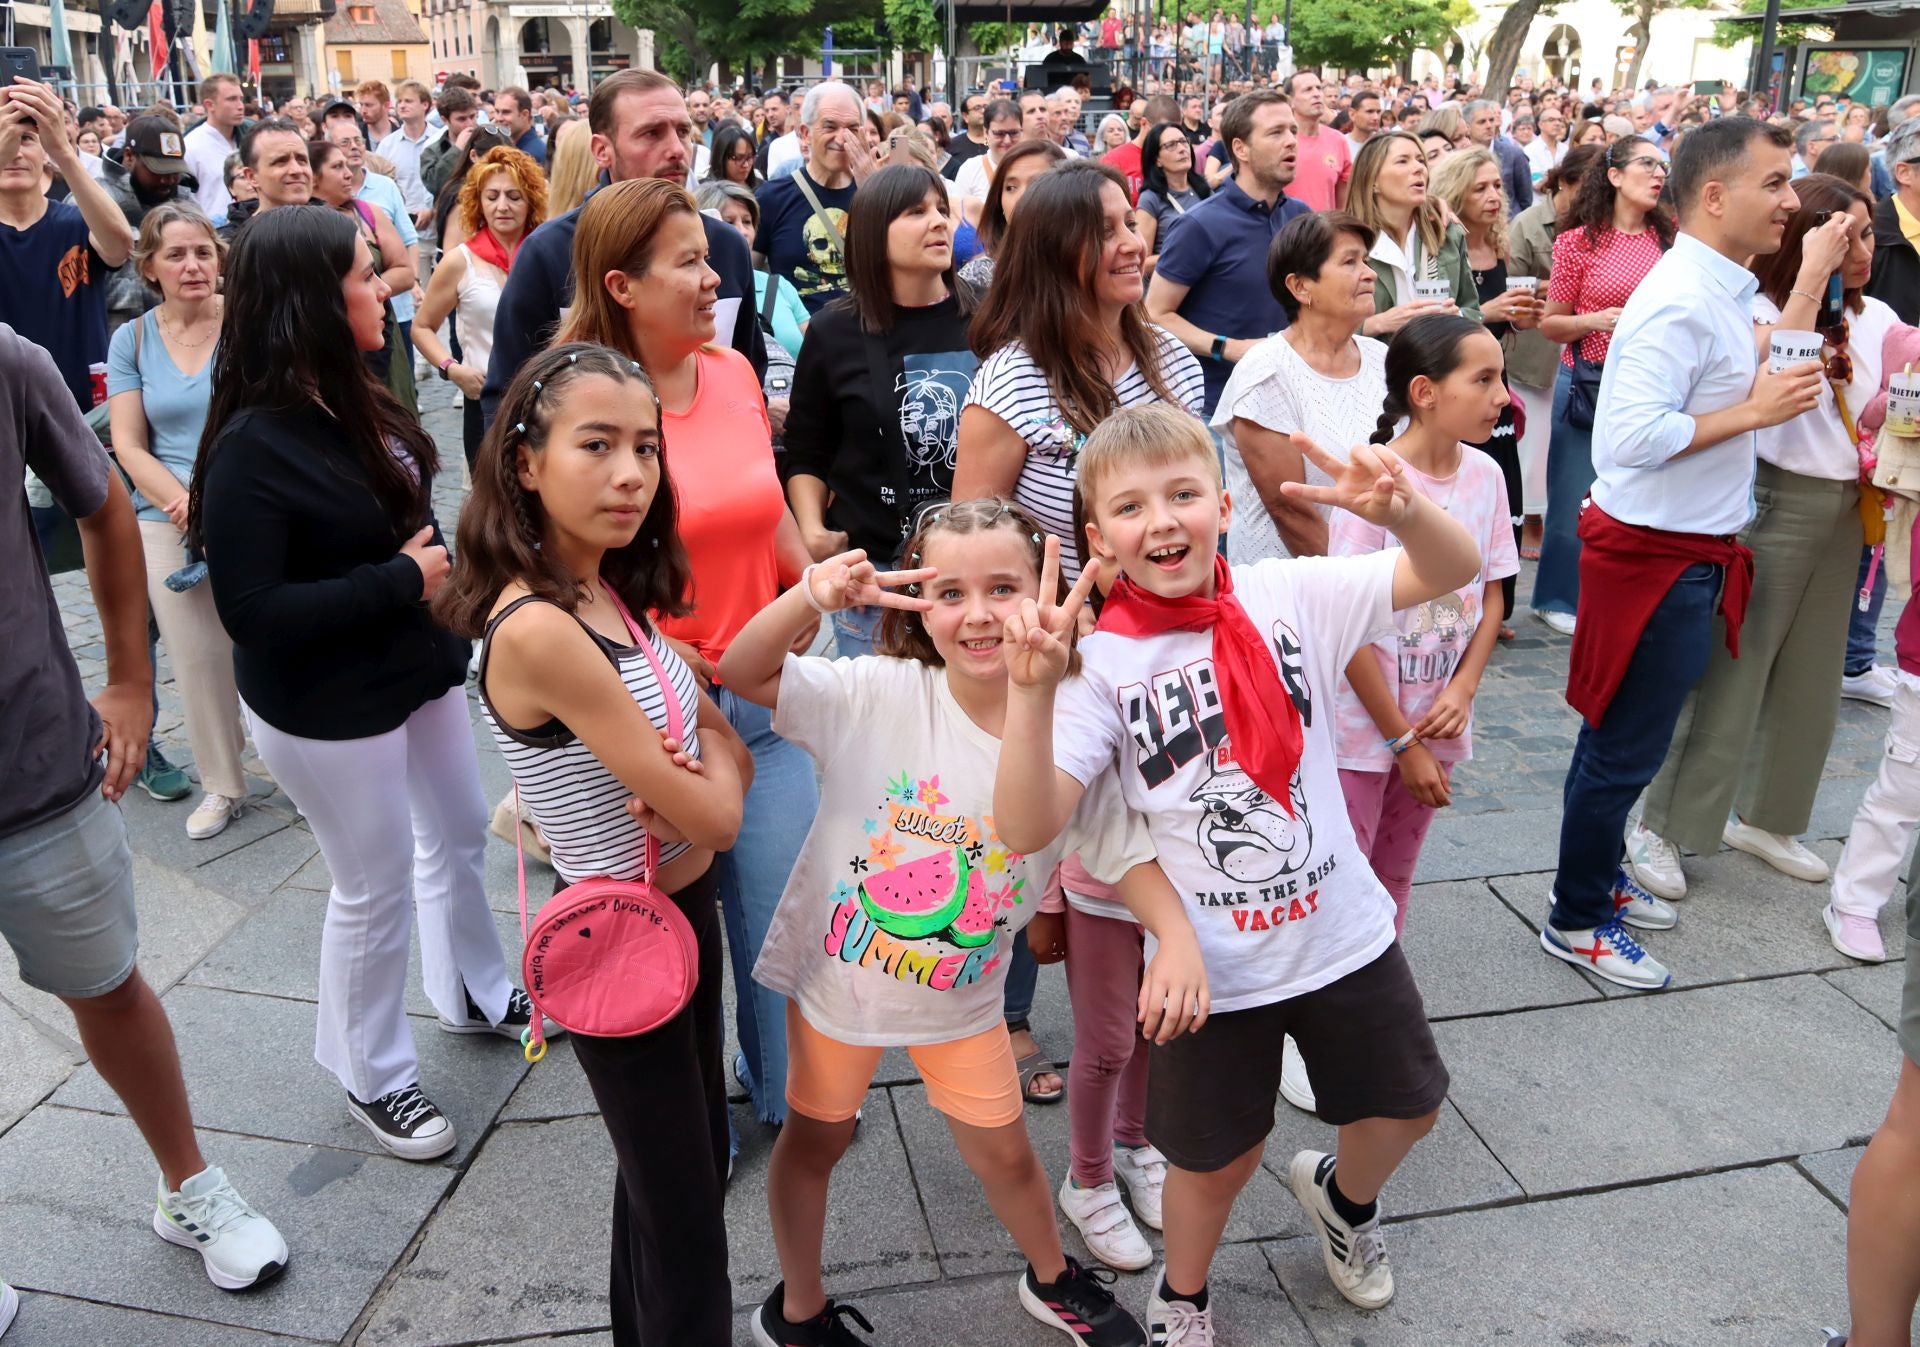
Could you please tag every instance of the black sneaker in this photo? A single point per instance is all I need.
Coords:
(518, 1016)
(405, 1123)
(826, 1329)
(1081, 1306)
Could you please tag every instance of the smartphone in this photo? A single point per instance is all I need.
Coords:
(21, 62)
(1707, 87)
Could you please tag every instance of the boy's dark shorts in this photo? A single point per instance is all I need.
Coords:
(1365, 1040)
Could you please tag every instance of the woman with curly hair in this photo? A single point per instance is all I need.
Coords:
(503, 198)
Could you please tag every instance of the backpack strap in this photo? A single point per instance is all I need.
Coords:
(820, 212)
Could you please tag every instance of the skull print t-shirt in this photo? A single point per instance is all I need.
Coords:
(1282, 900)
(795, 239)
(896, 927)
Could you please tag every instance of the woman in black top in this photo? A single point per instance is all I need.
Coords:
(311, 500)
(877, 393)
(731, 157)
(1171, 184)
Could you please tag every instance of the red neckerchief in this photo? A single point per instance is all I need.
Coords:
(489, 249)
(1262, 720)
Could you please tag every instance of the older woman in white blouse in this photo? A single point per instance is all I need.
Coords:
(1317, 378)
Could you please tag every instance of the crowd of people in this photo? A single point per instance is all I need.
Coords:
(1151, 497)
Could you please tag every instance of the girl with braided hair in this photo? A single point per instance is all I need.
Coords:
(1403, 715)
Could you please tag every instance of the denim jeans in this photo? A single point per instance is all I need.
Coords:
(854, 630)
(1863, 629)
(1556, 586)
(779, 810)
(1023, 975)
(1614, 761)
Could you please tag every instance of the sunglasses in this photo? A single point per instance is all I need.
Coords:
(1839, 365)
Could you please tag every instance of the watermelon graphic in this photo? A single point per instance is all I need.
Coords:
(921, 897)
(974, 926)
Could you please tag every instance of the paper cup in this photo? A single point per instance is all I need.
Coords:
(1790, 347)
(1433, 289)
(1903, 405)
(1531, 284)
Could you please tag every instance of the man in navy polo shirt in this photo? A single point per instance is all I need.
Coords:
(1210, 286)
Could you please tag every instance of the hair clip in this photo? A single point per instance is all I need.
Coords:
(573, 358)
(1037, 538)
(520, 427)
(538, 386)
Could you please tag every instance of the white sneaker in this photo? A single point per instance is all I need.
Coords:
(1783, 853)
(239, 1246)
(1654, 864)
(9, 1306)
(1175, 1323)
(1636, 907)
(1356, 1256)
(1875, 685)
(1558, 622)
(1608, 952)
(212, 815)
(1106, 1225)
(1295, 1087)
(1142, 1171)
(1853, 935)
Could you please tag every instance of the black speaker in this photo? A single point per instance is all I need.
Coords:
(186, 14)
(127, 13)
(257, 19)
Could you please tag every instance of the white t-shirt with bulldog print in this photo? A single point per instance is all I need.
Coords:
(1282, 905)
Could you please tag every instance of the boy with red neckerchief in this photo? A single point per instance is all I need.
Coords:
(1210, 690)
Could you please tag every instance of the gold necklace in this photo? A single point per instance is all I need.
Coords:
(173, 333)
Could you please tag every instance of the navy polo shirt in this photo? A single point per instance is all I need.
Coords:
(1219, 252)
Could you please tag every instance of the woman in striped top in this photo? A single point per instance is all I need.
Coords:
(1054, 366)
(572, 527)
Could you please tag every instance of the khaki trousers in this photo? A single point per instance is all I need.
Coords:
(202, 657)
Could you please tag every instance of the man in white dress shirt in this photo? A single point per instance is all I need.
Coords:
(1673, 453)
(209, 144)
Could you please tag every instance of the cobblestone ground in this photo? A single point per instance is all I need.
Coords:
(1609, 1169)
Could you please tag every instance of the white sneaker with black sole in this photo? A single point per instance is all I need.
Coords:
(239, 1247)
(513, 1024)
(1356, 1256)
(405, 1123)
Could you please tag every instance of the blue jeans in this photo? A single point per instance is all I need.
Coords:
(1863, 629)
(1556, 585)
(779, 810)
(1614, 762)
(854, 630)
(1023, 975)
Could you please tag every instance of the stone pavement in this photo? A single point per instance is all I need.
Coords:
(1611, 1169)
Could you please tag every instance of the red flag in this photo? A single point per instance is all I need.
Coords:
(253, 60)
(157, 39)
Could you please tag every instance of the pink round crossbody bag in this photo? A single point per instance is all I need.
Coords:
(609, 957)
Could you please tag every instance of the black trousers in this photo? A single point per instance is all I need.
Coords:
(1503, 447)
(662, 1096)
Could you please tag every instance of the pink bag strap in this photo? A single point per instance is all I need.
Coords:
(533, 1041)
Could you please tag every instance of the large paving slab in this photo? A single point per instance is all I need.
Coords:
(57, 1321)
(1471, 846)
(1833, 1172)
(34, 1064)
(83, 1184)
(1740, 920)
(180, 920)
(970, 1237)
(1449, 1170)
(1471, 955)
(1587, 1096)
(1878, 987)
(256, 871)
(249, 1067)
(984, 1310)
(1748, 1259)
(276, 952)
(555, 1087)
(159, 830)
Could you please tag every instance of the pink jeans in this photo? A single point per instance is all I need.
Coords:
(1107, 1079)
(1390, 826)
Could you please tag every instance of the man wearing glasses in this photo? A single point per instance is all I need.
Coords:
(1003, 133)
(1812, 137)
(972, 145)
(1895, 281)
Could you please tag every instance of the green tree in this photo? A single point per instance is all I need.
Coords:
(1789, 35)
(1354, 35)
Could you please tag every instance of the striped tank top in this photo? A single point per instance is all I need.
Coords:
(578, 805)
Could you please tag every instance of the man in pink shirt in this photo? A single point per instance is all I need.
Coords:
(1325, 164)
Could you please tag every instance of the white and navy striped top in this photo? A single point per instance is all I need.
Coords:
(578, 805)
(1012, 387)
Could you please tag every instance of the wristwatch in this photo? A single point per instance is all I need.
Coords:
(446, 365)
(1219, 349)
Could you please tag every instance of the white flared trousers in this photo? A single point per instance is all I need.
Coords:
(399, 816)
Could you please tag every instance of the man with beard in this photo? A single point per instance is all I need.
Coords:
(640, 129)
(1210, 288)
(147, 173)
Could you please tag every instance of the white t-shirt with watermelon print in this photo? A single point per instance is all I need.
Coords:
(897, 923)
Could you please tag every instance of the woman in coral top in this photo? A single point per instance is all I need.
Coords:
(655, 302)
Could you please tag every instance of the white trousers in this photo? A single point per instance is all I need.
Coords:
(1533, 446)
(1883, 829)
(398, 815)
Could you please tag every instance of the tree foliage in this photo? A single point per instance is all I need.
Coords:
(691, 35)
(1788, 35)
(1361, 34)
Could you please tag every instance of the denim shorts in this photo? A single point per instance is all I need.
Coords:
(66, 901)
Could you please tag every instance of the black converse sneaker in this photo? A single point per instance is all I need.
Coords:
(826, 1329)
(405, 1123)
(1080, 1305)
(516, 1020)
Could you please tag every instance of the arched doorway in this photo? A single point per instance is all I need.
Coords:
(1562, 53)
